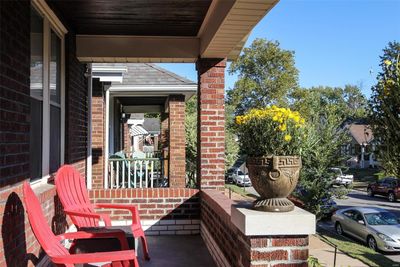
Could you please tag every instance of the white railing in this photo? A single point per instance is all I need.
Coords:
(135, 173)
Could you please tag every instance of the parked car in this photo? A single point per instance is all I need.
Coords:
(328, 207)
(228, 175)
(378, 228)
(389, 187)
(240, 178)
(340, 178)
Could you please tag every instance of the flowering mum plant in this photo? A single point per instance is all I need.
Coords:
(271, 131)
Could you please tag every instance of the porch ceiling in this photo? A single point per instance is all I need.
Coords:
(139, 17)
(160, 30)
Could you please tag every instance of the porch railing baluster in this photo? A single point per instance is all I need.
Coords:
(141, 173)
(146, 169)
(112, 174)
(152, 174)
(123, 174)
(149, 171)
(117, 180)
(134, 174)
(129, 174)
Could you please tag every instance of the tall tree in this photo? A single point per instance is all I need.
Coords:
(346, 103)
(267, 74)
(385, 109)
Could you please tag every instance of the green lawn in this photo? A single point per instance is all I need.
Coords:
(356, 250)
(239, 190)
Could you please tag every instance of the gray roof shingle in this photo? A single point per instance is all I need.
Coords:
(147, 74)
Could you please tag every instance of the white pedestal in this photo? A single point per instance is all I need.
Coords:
(258, 223)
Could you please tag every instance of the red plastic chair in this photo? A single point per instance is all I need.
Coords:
(58, 254)
(72, 191)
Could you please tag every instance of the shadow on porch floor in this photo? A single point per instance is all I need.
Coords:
(176, 251)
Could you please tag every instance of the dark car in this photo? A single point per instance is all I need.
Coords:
(228, 175)
(328, 207)
(389, 187)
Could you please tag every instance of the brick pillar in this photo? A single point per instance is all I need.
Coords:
(98, 138)
(164, 141)
(211, 123)
(177, 164)
(127, 138)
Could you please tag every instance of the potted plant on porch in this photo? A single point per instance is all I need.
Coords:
(272, 138)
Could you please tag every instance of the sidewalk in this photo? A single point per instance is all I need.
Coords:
(325, 254)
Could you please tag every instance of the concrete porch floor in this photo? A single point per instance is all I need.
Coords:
(176, 251)
(171, 251)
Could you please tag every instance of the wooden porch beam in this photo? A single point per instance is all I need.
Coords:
(114, 48)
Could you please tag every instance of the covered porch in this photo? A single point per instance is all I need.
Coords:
(74, 119)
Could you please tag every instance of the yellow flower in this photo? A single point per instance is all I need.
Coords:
(275, 118)
(282, 127)
(387, 62)
(287, 137)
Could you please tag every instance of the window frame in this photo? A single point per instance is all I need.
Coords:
(50, 23)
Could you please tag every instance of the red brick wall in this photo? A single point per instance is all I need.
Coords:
(98, 138)
(18, 247)
(153, 203)
(211, 123)
(76, 108)
(177, 166)
(127, 138)
(230, 247)
(14, 91)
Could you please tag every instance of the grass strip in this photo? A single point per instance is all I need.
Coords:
(356, 250)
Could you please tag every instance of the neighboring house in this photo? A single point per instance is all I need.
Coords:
(68, 110)
(136, 89)
(361, 148)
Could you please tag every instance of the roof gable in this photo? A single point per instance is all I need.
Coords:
(145, 74)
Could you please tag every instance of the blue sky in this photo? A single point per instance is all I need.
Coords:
(336, 42)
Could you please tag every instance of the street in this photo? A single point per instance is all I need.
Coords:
(359, 198)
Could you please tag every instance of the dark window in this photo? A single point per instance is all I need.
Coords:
(36, 92)
(55, 103)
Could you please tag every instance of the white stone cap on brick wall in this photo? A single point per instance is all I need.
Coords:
(257, 223)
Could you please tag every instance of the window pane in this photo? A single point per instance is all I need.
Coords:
(36, 86)
(36, 54)
(55, 138)
(55, 69)
(36, 138)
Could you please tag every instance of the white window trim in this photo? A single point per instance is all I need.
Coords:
(50, 23)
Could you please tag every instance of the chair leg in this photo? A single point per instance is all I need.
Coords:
(145, 248)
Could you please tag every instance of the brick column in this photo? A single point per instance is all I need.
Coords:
(164, 142)
(98, 138)
(211, 123)
(127, 138)
(177, 164)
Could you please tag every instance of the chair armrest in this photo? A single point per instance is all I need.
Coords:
(113, 256)
(116, 206)
(133, 209)
(98, 233)
(103, 217)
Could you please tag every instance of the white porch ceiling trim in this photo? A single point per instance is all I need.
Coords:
(223, 34)
(157, 88)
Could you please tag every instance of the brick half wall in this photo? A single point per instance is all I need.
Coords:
(230, 247)
(163, 211)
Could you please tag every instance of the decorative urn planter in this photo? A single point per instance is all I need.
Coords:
(274, 178)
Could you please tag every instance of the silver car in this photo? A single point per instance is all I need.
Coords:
(377, 227)
(240, 178)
